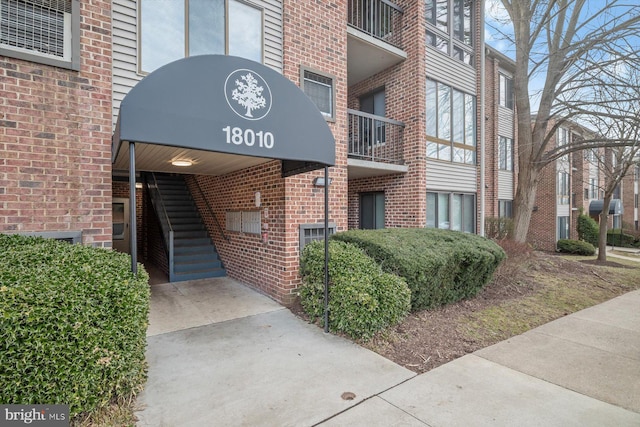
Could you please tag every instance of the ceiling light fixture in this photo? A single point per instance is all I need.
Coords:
(182, 163)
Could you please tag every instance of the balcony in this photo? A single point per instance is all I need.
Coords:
(374, 38)
(375, 145)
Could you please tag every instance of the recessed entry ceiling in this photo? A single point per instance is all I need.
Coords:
(158, 158)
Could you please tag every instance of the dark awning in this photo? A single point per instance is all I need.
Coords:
(228, 105)
(615, 207)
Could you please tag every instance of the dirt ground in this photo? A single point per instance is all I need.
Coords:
(528, 290)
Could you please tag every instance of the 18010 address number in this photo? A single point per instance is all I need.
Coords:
(248, 137)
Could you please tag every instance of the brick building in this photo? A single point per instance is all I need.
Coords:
(383, 88)
(421, 114)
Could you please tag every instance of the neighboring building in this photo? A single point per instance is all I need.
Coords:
(566, 185)
(630, 194)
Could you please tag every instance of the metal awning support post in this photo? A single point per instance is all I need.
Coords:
(133, 234)
(326, 249)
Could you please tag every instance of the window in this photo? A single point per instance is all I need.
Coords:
(174, 29)
(563, 137)
(451, 211)
(505, 154)
(311, 232)
(43, 31)
(373, 131)
(372, 210)
(593, 188)
(563, 227)
(591, 156)
(449, 27)
(506, 91)
(451, 124)
(505, 208)
(320, 89)
(563, 188)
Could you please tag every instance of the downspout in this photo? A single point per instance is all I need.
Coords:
(482, 119)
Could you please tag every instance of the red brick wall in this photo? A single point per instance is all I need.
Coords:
(492, 88)
(286, 203)
(55, 138)
(628, 201)
(404, 84)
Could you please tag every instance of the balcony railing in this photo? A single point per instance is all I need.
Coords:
(375, 138)
(378, 18)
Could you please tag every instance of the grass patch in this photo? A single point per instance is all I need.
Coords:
(119, 413)
(558, 295)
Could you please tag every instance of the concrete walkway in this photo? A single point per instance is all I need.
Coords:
(269, 368)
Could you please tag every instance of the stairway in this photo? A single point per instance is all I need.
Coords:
(195, 255)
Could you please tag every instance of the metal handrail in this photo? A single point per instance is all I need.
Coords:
(156, 197)
(381, 19)
(215, 219)
(375, 138)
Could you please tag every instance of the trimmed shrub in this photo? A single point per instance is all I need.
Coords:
(73, 323)
(498, 228)
(362, 299)
(616, 238)
(440, 266)
(576, 247)
(588, 229)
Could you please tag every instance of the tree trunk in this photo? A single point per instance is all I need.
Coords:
(602, 235)
(524, 201)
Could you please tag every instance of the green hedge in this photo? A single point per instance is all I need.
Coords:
(577, 247)
(588, 229)
(440, 266)
(362, 298)
(73, 323)
(615, 238)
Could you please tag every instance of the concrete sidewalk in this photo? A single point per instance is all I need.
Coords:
(580, 370)
(273, 369)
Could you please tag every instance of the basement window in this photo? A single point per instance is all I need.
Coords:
(311, 232)
(71, 237)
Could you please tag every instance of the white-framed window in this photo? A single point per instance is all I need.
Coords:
(451, 124)
(505, 153)
(563, 137)
(563, 188)
(593, 188)
(320, 88)
(452, 211)
(450, 28)
(169, 30)
(42, 31)
(505, 208)
(563, 227)
(506, 91)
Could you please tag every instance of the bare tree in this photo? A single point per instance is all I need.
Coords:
(615, 162)
(572, 46)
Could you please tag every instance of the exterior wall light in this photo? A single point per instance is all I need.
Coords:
(319, 181)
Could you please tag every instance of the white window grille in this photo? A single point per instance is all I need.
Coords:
(40, 28)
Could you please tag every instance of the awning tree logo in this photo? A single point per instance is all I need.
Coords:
(250, 93)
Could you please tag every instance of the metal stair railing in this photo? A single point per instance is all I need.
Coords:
(165, 223)
(213, 215)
